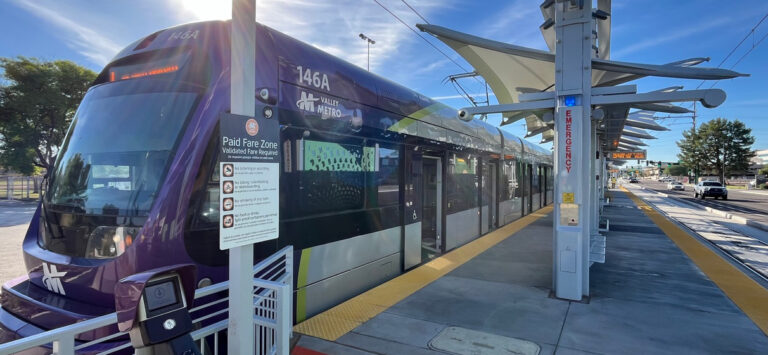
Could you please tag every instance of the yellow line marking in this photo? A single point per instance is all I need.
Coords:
(301, 282)
(339, 320)
(745, 292)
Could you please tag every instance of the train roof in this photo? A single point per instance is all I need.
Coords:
(428, 118)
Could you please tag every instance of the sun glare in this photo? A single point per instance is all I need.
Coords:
(208, 9)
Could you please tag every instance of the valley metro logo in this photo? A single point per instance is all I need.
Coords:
(307, 102)
(52, 279)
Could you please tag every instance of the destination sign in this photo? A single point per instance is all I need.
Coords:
(635, 155)
(249, 174)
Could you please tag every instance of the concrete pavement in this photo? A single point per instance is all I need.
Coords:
(648, 297)
(14, 220)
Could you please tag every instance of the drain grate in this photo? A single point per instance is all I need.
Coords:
(463, 341)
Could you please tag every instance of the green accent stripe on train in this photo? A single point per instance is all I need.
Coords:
(301, 290)
(412, 118)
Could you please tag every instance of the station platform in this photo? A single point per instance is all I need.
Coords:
(660, 291)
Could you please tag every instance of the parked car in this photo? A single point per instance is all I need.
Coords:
(675, 185)
(710, 188)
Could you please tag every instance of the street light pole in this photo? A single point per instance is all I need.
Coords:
(370, 42)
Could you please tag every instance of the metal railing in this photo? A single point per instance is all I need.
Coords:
(272, 306)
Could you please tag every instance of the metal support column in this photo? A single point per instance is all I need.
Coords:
(594, 168)
(573, 84)
(240, 339)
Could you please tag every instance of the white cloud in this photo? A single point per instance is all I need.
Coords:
(86, 41)
(518, 24)
(480, 95)
(672, 36)
(331, 26)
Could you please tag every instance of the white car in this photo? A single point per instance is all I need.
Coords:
(675, 185)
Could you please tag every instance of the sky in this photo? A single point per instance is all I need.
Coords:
(90, 33)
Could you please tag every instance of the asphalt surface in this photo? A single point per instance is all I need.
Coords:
(752, 204)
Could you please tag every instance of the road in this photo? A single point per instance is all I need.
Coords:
(749, 204)
(14, 221)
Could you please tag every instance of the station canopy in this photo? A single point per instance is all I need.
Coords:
(512, 70)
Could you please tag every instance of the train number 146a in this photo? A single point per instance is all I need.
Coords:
(316, 79)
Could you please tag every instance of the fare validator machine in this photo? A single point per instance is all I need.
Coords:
(163, 322)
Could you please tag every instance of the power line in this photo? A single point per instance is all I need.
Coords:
(743, 39)
(425, 40)
(750, 33)
(420, 36)
(754, 45)
(416, 12)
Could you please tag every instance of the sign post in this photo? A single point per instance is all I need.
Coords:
(240, 339)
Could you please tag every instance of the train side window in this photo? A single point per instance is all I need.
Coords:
(510, 175)
(387, 177)
(519, 172)
(462, 183)
(536, 172)
(340, 174)
(331, 177)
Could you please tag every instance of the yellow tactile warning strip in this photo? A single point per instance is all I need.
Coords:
(742, 290)
(339, 320)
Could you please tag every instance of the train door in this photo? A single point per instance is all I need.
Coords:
(413, 194)
(485, 196)
(494, 195)
(432, 208)
(542, 188)
(528, 203)
(543, 179)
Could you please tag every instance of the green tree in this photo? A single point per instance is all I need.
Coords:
(763, 171)
(676, 170)
(691, 154)
(37, 102)
(719, 145)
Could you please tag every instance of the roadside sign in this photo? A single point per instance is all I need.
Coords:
(249, 177)
(634, 155)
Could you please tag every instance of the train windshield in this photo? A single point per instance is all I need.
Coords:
(118, 148)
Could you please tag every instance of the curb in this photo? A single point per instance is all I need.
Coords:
(739, 219)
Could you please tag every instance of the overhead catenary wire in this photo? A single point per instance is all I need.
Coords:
(743, 56)
(422, 37)
(416, 12)
(754, 45)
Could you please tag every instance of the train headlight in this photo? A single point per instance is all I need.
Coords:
(109, 241)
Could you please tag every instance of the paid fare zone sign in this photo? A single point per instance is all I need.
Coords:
(249, 178)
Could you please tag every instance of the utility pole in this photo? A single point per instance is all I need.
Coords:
(694, 116)
(693, 133)
(370, 42)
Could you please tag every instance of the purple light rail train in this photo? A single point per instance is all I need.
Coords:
(375, 178)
